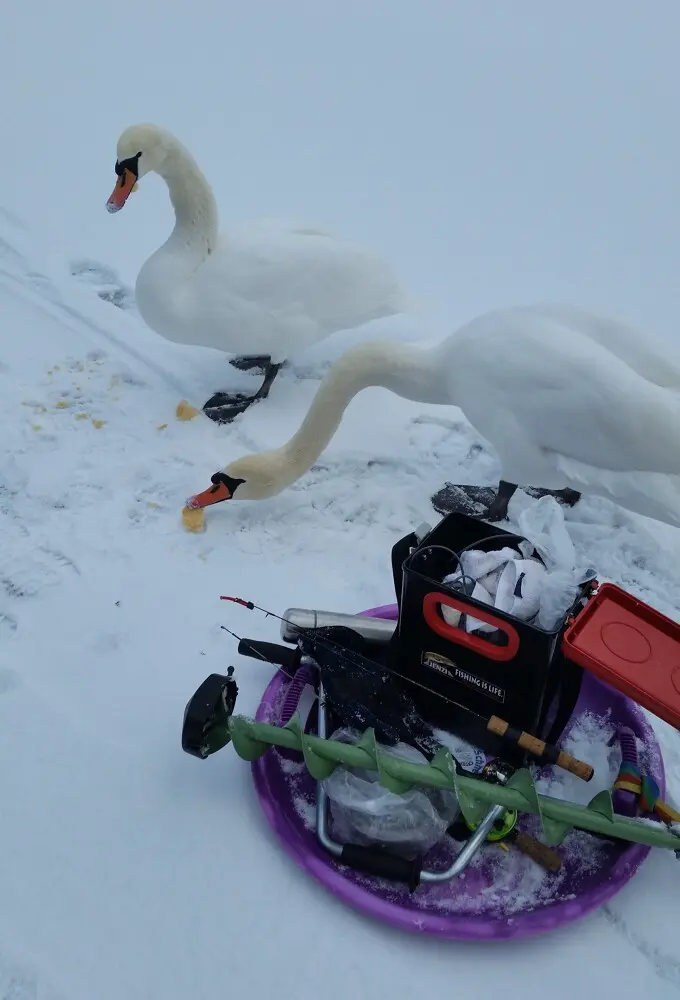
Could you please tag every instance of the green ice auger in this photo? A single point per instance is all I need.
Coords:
(209, 725)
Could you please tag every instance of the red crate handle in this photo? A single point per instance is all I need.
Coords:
(462, 638)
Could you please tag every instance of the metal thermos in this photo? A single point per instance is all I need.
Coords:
(376, 630)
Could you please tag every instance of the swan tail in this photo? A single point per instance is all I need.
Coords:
(652, 494)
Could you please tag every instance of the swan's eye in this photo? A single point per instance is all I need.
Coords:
(221, 479)
(131, 164)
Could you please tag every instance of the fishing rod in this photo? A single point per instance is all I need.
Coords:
(544, 752)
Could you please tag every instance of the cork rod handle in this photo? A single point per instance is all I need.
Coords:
(543, 751)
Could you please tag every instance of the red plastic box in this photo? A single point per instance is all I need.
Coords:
(631, 646)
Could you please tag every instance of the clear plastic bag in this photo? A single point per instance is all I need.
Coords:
(365, 812)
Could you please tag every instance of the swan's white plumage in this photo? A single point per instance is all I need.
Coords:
(645, 354)
(539, 387)
(563, 399)
(266, 289)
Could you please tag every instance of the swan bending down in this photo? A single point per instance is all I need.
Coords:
(264, 294)
(568, 402)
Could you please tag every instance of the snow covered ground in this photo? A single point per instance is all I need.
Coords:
(497, 153)
(127, 868)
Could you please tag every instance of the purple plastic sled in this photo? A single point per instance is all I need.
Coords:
(501, 895)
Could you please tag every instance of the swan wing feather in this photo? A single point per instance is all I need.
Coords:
(527, 376)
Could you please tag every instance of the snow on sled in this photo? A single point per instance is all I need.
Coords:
(486, 830)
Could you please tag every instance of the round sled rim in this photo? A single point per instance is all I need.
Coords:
(301, 845)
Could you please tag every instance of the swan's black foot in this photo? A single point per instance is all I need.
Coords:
(488, 504)
(498, 508)
(270, 373)
(568, 496)
(223, 407)
(251, 362)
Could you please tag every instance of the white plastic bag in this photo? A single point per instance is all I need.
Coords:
(502, 578)
(542, 523)
(365, 812)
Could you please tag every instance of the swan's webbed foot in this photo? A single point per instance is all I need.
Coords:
(270, 373)
(498, 508)
(567, 496)
(251, 362)
(223, 407)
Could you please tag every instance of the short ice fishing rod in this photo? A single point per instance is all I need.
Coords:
(546, 753)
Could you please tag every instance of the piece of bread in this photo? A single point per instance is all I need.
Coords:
(193, 518)
(185, 411)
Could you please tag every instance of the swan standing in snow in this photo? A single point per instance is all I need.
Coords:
(571, 403)
(262, 295)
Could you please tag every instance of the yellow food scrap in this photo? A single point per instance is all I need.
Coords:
(152, 504)
(193, 518)
(82, 415)
(161, 427)
(36, 427)
(63, 404)
(185, 411)
(98, 423)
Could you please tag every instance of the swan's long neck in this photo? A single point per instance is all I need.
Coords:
(197, 222)
(411, 372)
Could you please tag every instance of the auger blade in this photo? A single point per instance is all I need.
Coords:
(251, 739)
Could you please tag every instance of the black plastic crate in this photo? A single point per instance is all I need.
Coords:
(457, 680)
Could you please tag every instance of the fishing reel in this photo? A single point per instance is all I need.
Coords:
(499, 772)
(205, 728)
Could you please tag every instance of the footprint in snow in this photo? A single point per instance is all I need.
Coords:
(9, 679)
(106, 282)
(27, 568)
(430, 420)
(7, 623)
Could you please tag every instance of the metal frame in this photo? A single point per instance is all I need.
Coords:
(464, 856)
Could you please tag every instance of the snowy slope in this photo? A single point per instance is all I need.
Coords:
(127, 868)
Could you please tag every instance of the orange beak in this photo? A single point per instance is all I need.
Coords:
(125, 185)
(214, 494)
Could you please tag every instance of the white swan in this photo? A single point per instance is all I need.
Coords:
(263, 294)
(563, 401)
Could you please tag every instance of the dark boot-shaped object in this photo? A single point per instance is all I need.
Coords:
(224, 406)
(498, 508)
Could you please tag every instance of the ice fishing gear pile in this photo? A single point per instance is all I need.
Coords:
(389, 691)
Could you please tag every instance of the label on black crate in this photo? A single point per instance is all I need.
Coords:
(439, 663)
(450, 669)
